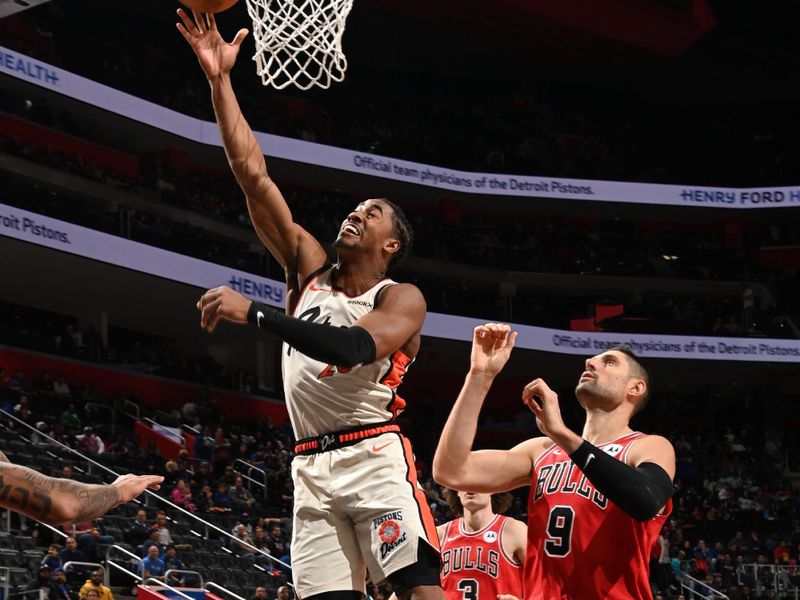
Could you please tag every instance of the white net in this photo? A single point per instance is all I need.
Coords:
(299, 42)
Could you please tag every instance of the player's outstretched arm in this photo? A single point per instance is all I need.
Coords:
(374, 336)
(455, 464)
(56, 501)
(293, 247)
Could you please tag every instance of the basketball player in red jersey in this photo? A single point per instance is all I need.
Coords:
(349, 334)
(597, 501)
(482, 550)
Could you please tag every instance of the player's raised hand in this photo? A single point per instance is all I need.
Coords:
(491, 346)
(216, 56)
(543, 401)
(222, 303)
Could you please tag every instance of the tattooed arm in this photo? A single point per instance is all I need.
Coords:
(57, 501)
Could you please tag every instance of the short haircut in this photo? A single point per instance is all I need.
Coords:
(500, 502)
(638, 370)
(403, 231)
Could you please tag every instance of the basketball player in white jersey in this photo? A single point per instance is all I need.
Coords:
(349, 333)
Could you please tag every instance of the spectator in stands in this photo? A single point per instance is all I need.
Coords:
(154, 540)
(95, 584)
(221, 500)
(260, 538)
(284, 593)
(182, 496)
(164, 534)
(243, 500)
(184, 462)
(261, 593)
(173, 561)
(205, 499)
(278, 547)
(781, 549)
(154, 565)
(90, 442)
(202, 477)
(52, 559)
(138, 531)
(66, 472)
(204, 445)
(39, 437)
(59, 590)
(171, 475)
(70, 552)
(42, 580)
(89, 535)
(60, 387)
(22, 404)
(228, 476)
(240, 545)
(70, 419)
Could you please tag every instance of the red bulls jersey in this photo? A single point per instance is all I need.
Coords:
(581, 546)
(474, 565)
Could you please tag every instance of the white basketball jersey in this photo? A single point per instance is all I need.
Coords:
(322, 398)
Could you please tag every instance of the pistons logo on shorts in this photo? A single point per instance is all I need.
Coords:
(389, 531)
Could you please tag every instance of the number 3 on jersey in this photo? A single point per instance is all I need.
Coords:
(468, 589)
(559, 531)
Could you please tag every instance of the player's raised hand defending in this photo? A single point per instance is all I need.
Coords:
(222, 303)
(216, 56)
(491, 346)
(543, 401)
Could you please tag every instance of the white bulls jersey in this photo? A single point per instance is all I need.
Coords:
(323, 398)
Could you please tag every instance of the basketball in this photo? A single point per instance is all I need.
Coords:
(209, 6)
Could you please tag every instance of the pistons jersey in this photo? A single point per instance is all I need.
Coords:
(322, 398)
(475, 566)
(582, 546)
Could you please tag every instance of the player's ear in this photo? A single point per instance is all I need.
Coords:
(637, 388)
(391, 246)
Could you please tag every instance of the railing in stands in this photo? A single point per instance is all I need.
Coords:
(131, 405)
(111, 563)
(211, 584)
(691, 588)
(776, 581)
(5, 579)
(171, 571)
(76, 563)
(150, 495)
(159, 583)
(250, 468)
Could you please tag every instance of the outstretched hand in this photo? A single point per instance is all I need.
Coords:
(222, 303)
(491, 347)
(131, 486)
(216, 56)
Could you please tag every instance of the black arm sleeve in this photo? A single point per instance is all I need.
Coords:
(641, 491)
(340, 346)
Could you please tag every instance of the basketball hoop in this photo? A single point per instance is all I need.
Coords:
(299, 42)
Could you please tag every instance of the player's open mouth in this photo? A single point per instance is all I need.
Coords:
(351, 229)
(586, 375)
